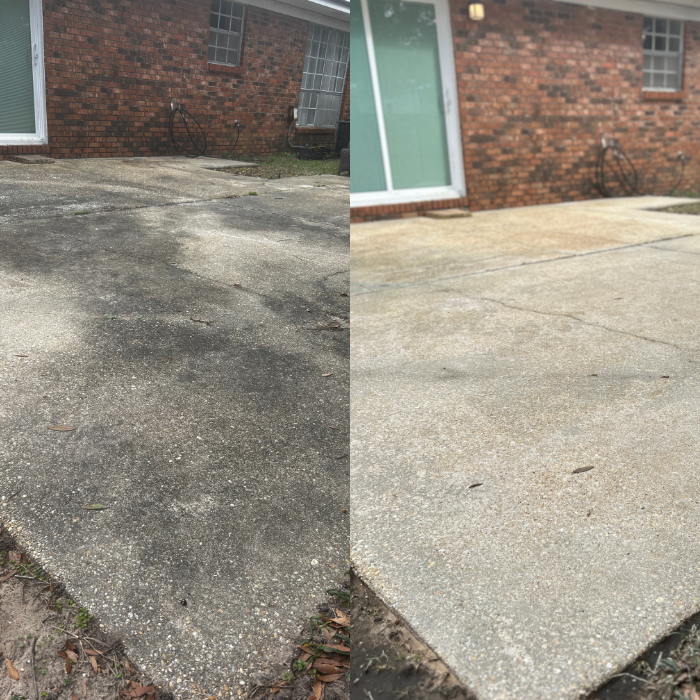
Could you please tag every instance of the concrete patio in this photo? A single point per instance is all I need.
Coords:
(191, 327)
(491, 358)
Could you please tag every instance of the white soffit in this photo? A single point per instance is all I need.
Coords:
(323, 12)
(680, 9)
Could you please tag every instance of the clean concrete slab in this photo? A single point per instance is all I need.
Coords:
(183, 328)
(582, 350)
(505, 238)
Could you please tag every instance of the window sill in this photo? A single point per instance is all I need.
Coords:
(222, 68)
(22, 140)
(663, 96)
(317, 129)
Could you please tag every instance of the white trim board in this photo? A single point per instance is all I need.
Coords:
(453, 119)
(40, 137)
(325, 14)
(417, 194)
(343, 6)
(376, 92)
(688, 10)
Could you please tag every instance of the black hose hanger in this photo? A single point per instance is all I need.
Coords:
(616, 176)
(188, 136)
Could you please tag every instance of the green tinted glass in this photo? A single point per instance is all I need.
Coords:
(408, 64)
(367, 174)
(16, 84)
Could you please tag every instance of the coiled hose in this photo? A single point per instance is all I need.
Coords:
(616, 176)
(190, 139)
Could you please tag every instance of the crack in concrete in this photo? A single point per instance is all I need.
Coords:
(573, 256)
(582, 321)
(333, 274)
(674, 250)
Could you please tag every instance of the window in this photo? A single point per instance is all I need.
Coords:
(225, 33)
(663, 54)
(23, 105)
(404, 86)
(324, 76)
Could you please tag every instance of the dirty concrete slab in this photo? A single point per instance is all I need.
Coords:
(538, 582)
(67, 187)
(185, 340)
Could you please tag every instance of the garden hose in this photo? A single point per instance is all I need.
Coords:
(616, 176)
(192, 143)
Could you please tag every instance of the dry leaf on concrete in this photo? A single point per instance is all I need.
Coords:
(11, 670)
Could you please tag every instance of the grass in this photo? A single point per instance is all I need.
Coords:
(286, 165)
(685, 208)
(342, 596)
(82, 619)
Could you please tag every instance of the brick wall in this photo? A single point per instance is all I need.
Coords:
(112, 69)
(539, 83)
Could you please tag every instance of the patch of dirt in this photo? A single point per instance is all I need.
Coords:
(389, 660)
(52, 648)
(684, 209)
(317, 667)
(670, 670)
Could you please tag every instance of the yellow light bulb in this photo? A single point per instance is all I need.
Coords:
(476, 12)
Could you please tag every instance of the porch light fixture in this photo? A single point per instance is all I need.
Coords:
(476, 12)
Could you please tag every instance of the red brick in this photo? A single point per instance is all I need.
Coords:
(113, 67)
(540, 82)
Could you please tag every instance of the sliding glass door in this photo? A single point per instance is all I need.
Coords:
(405, 144)
(22, 100)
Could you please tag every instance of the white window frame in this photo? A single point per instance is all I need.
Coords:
(223, 31)
(448, 76)
(40, 135)
(653, 53)
(321, 91)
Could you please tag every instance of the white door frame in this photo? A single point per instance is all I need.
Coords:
(448, 76)
(40, 136)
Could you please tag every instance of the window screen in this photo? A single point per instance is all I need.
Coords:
(325, 65)
(226, 30)
(663, 54)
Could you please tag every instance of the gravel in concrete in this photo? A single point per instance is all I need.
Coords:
(492, 357)
(185, 339)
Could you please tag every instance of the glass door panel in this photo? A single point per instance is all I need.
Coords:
(410, 84)
(367, 167)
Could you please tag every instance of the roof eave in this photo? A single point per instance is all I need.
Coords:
(680, 9)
